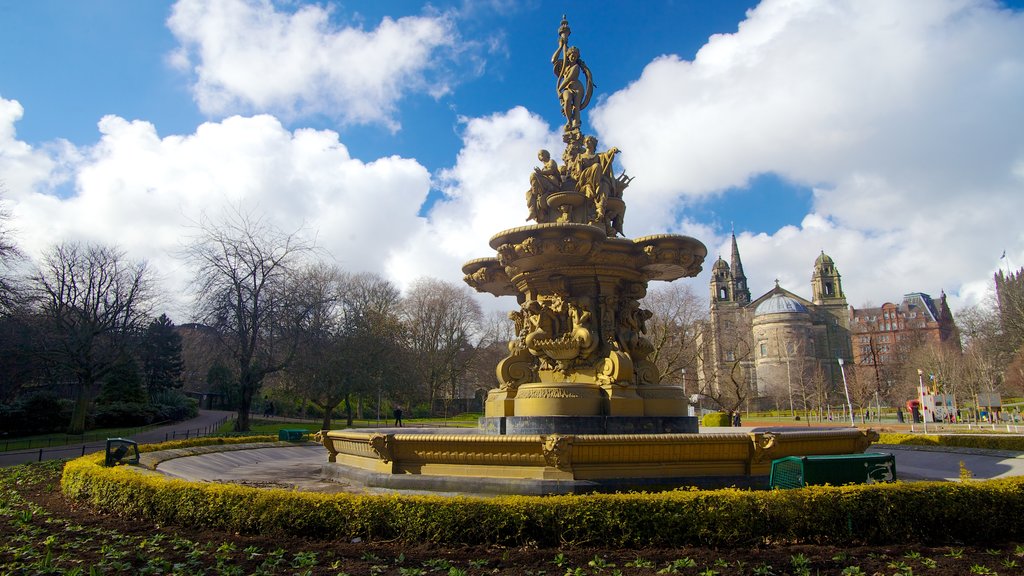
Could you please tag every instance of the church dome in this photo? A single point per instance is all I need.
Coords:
(720, 264)
(780, 304)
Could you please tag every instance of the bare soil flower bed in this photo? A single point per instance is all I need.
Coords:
(43, 532)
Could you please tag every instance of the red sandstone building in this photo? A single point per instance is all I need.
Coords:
(883, 336)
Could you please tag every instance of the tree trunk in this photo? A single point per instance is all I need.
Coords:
(242, 421)
(81, 410)
(348, 410)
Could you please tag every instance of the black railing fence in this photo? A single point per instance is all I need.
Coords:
(144, 435)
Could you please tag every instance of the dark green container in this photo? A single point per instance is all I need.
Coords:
(834, 469)
(121, 451)
(291, 434)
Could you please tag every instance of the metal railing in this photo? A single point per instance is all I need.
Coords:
(145, 436)
(67, 440)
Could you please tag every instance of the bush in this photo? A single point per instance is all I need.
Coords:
(716, 419)
(985, 441)
(40, 413)
(173, 405)
(984, 512)
(123, 414)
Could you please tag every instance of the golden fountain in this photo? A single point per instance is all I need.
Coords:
(579, 406)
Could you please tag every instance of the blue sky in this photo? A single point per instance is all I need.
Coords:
(401, 134)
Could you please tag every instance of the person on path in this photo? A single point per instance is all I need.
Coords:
(398, 416)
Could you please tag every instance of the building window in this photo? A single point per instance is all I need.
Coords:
(764, 349)
(730, 356)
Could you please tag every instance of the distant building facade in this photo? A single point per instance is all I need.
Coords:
(883, 336)
(780, 347)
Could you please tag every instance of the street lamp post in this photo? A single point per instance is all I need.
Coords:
(920, 394)
(846, 388)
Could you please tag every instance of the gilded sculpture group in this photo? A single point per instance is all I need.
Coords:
(584, 189)
(579, 347)
(562, 333)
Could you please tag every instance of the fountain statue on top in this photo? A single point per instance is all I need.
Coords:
(579, 361)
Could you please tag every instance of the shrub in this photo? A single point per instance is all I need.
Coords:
(986, 441)
(39, 413)
(174, 405)
(123, 414)
(716, 419)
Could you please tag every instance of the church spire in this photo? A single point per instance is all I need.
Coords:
(740, 291)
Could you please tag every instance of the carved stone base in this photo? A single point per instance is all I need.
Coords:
(499, 404)
(663, 400)
(513, 425)
(563, 399)
(624, 401)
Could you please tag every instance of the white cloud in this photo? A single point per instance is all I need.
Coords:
(904, 117)
(485, 193)
(248, 56)
(144, 192)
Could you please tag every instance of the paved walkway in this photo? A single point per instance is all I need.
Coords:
(206, 422)
(914, 463)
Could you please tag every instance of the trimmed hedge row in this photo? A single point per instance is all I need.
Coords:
(985, 441)
(972, 512)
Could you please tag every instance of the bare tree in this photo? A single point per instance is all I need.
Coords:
(10, 255)
(93, 303)
(349, 342)
(678, 314)
(727, 366)
(245, 288)
(498, 330)
(441, 321)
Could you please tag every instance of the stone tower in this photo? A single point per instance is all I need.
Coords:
(740, 291)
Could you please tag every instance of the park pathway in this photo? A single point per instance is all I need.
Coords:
(205, 423)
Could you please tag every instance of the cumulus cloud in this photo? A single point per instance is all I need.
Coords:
(145, 192)
(484, 193)
(904, 118)
(247, 55)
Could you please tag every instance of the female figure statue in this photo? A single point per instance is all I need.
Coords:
(567, 66)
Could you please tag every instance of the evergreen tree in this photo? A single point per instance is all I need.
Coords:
(161, 356)
(122, 384)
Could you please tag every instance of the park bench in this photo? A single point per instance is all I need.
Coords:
(834, 469)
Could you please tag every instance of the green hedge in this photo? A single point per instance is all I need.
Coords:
(927, 512)
(986, 441)
(716, 419)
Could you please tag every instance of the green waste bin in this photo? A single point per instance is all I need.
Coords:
(291, 434)
(121, 451)
(834, 469)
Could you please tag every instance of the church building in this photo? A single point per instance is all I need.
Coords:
(778, 350)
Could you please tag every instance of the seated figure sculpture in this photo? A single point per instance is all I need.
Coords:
(595, 179)
(544, 180)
